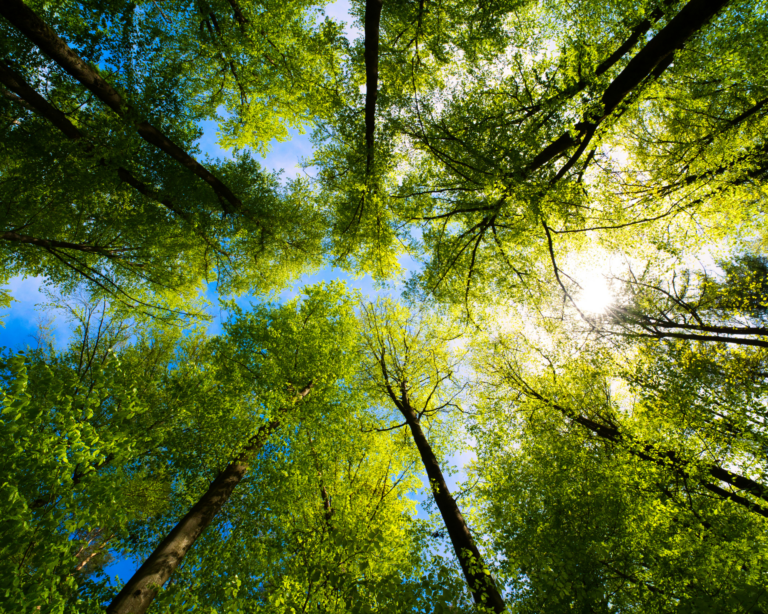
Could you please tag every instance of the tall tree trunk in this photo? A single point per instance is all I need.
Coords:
(16, 83)
(372, 19)
(653, 58)
(478, 578)
(138, 593)
(667, 458)
(634, 37)
(41, 34)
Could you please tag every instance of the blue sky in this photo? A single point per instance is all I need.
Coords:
(28, 313)
(24, 317)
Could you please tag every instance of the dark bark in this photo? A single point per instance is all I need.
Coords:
(566, 141)
(328, 514)
(657, 53)
(52, 244)
(372, 20)
(637, 32)
(29, 97)
(476, 574)
(16, 83)
(36, 30)
(667, 458)
(138, 593)
(691, 18)
(239, 17)
(668, 329)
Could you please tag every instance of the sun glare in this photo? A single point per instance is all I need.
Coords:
(595, 295)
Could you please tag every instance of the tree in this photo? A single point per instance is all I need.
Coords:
(697, 305)
(322, 526)
(94, 430)
(608, 445)
(101, 185)
(409, 367)
(278, 347)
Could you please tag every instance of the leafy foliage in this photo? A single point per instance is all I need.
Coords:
(615, 456)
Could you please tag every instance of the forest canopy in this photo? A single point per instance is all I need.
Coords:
(560, 406)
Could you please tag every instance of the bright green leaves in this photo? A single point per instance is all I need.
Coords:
(593, 528)
(303, 343)
(98, 205)
(58, 508)
(612, 447)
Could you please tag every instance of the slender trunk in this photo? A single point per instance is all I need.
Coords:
(670, 459)
(138, 593)
(372, 20)
(653, 58)
(141, 187)
(51, 244)
(637, 32)
(476, 574)
(16, 83)
(328, 513)
(41, 34)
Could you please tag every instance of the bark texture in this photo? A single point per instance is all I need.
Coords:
(138, 593)
(480, 582)
(372, 21)
(652, 59)
(41, 34)
(16, 83)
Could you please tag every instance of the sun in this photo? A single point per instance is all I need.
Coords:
(595, 295)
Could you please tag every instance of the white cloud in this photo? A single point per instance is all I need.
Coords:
(286, 156)
(26, 291)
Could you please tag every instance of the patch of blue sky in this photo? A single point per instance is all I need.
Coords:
(27, 318)
(24, 318)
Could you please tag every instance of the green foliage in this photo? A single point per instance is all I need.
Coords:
(59, 427)
(595, 530)
(69, 212)
(618, 457)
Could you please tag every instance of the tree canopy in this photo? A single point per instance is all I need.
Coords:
(560, 407)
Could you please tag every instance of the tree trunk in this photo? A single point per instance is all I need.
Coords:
(668, 458)
(16, 83)
(372, 20)
(138, 593)
(653, 58)
(476, 574)
(41, 34)
(691, 18)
